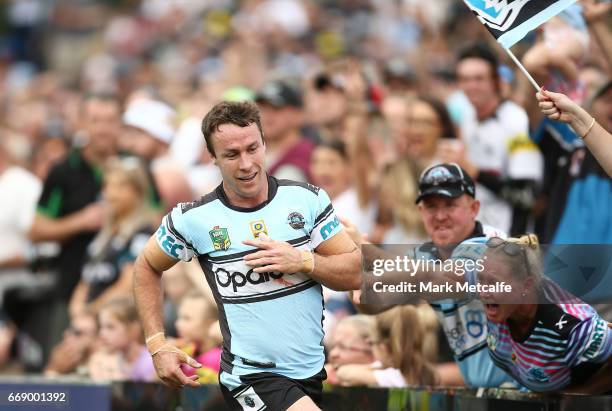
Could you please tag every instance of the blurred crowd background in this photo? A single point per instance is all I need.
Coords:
(100, 109)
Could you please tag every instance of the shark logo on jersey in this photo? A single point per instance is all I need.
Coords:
(220, 238)
(258, 227)
(249, 401)
(296, 221)
(497, 14)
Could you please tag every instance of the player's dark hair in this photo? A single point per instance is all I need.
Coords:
(241, 114)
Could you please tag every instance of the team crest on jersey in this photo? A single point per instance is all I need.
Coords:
(258, 227)
(220, 238)
(497, 14)
(296, 221)
(513, 356)
(249, 401)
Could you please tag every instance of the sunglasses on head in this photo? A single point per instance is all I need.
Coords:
(511, 249)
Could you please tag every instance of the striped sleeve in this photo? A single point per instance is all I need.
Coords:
(326, 223)
(590, 341)
(172, 238)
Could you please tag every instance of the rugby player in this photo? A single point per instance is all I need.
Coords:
(266, 246)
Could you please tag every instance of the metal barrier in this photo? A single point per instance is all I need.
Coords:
(35, 393)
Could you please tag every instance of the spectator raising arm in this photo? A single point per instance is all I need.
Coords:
(559, 107)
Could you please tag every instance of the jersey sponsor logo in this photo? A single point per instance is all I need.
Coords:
(329, 228)
(220, 238)
(236, 279)
(596, 339)
(296, 220)
(168, 242)
(258, 227)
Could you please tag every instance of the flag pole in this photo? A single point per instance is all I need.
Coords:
(523, 69)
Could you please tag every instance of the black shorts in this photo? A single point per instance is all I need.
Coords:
(274, 392)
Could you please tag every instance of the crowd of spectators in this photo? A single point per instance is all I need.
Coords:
(100, 114)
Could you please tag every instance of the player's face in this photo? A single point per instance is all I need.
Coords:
(476, 81)
(348, 348)
(448, 221)
(240, 156)
(190, 322)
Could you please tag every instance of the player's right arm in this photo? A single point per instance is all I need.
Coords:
(148, 269)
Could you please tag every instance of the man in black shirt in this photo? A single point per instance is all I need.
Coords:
(67, 211)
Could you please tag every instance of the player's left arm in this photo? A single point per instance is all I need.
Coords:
(337, 263)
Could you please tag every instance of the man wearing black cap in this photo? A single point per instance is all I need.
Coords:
(288, 154)
(448, 207)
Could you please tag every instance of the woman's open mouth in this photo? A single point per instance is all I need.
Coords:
(492, 310)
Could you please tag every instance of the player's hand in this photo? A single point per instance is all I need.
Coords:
(274, 256)
(167, 364)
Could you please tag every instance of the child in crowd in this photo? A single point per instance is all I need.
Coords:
(107, 273)
(350, 343)
(122, 356)
(199, 336)
(398, 347)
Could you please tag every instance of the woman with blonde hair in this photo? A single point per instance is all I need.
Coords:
(427, 128)
(129, 223)
(538, 333)
(399, 336)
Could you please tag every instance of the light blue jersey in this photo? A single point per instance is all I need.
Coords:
(271, 322)
(465, 323)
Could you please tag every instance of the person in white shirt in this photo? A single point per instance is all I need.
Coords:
(497, 152)
(19, 190)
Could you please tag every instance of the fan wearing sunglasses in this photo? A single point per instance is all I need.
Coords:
(448, 209)
(545, 342)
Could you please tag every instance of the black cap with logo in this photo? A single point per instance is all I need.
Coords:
(447, 180)
(279, 94)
